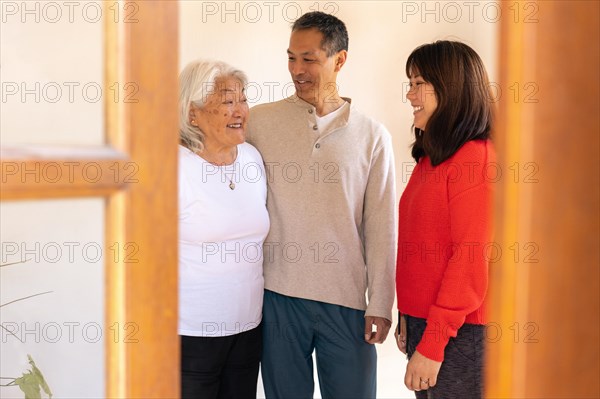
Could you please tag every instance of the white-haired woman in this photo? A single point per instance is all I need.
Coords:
(223, 223)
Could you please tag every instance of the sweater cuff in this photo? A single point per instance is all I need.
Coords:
(433, 342)
(375, 312)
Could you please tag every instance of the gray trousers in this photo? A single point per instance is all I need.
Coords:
(461, 374)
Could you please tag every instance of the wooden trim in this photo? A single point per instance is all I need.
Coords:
(57, 193)
(63, 172)
(144, 53)
(503, 274)
(509, 279)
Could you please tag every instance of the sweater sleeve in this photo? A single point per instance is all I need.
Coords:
(465, 279)
(379, 231)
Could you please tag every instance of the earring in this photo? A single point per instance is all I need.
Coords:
(193, 122)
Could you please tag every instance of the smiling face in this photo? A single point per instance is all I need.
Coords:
(422, 98)
(313, 72)
(224, 115)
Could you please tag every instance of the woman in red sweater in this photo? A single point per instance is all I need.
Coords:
(445, 223)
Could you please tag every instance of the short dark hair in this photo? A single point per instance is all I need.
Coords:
(335, 35)
(462, 89)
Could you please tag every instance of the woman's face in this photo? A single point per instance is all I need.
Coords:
(224, 115)
(422, 98)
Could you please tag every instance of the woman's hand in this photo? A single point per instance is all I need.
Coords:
(401, 337)
(421, 372)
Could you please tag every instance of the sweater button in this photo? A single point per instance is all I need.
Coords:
(310, 111)
(317, 145)
(315, 127)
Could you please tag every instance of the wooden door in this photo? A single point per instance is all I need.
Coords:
(545, 337)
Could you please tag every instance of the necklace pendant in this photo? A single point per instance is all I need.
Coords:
(231, 185)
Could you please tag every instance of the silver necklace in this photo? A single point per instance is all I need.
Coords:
(224, 175)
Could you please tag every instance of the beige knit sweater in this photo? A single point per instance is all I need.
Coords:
(331, 200)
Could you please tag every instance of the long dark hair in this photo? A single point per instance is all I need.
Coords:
(462, 90)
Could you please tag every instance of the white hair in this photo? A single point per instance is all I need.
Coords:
(196, 82)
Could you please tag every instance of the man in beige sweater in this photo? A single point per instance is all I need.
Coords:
(330, 255)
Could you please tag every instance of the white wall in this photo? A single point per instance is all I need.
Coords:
(254, 37)
(382, 35)
(50, 46)
(51, 69)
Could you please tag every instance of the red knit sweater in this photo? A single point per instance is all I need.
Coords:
(445, 242)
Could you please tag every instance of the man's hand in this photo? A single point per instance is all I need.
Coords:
(401, 336)
(383, 327)
(421, 372)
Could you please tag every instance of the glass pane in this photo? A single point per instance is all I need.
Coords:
(61, 244)
(52, 73)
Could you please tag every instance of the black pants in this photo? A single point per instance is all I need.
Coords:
(460, 376)
(221, 367)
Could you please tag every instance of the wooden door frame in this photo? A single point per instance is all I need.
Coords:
(137, 177)
(546, 307)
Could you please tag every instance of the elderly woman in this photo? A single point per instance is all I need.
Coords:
(223, 222)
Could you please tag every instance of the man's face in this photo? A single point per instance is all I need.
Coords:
(314, 74)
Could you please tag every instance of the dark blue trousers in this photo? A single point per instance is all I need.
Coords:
(293, 328)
